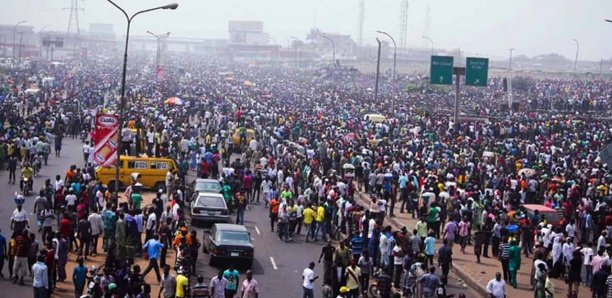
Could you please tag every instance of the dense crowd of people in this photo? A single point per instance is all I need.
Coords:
(313, 151)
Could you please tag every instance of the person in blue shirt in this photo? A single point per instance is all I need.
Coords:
(3, 253)
(153, 248)
(79, 277)
(430, 243)
(233, 278)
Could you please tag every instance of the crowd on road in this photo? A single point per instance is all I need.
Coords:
(314, 152)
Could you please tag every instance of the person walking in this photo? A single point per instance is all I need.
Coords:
(250, 286)
(217, 285)
(514, 264)
(79, 277)
(168, 284)
(496, 287)
(22, 248)
(327, 253)
(153, 248)
(308, 279)
(3, 253)
(504, 257)
(353, 277)
(40, 278)
(445, 260)
(233, 280)
(479, 238)
(95, 220)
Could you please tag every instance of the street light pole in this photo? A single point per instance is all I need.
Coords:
(333, 47)
(15, 37)
(122, 103)
(394, 50)
(431, 42)
(576, 59)
(298, 60)
(377, 72)
(41, 38)
(158, 57)
(510, 59)
(275, 50)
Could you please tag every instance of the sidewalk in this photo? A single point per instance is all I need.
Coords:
(474, 274)
(66, 289)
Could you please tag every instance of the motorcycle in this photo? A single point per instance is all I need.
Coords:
(26, 185)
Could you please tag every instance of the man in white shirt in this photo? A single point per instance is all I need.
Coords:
(309, 278)
(150, 226)
(95, 219)
(497, 287)
(86, 150)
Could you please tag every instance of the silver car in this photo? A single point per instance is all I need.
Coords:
(209, 207)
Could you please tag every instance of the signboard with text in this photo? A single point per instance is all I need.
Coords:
(441, 71)
(476, 71)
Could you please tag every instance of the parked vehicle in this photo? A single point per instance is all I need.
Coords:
(209, 207)
(229, 243)
(152, 172)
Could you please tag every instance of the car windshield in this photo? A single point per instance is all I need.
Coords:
(234, 236)
(204, 201)
(208, 186)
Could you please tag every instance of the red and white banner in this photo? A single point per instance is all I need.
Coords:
(106, 140)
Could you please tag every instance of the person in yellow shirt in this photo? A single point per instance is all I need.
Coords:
(181, 283)
(320, 219)
(308, 216)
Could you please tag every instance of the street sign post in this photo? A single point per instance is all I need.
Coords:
(441, 70)
(476, 71)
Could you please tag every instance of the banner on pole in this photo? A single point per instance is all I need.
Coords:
(106, 140)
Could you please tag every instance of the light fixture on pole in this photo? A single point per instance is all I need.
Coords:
(296, 44)
(576, 58)
(333, 47)
(122, 103)
(394, 49)
(15, 37)
(431, 42)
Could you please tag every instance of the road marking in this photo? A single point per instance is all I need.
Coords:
(257, 230)
(273, 263)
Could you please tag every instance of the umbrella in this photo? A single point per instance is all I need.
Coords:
(174, 101)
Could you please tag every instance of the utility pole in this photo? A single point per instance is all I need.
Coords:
(510, 59)
(576, 59)
(394, 50)
(377, 72)
(458, 72)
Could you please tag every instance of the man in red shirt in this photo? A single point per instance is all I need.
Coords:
(204, 166)
(66, 229)
(20, 267)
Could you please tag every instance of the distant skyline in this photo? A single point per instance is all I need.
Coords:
(486, 27)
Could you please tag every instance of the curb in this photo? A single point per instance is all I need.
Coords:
(455, 268)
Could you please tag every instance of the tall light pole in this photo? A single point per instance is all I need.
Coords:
(576, 59)
(431, 42)
(122, 104)
(394, 49)
(377, 72)
(510, 58)
(158, 56)
(297, 43)
(15, 37)
(275, 49)
(41, 38)
(333, 47)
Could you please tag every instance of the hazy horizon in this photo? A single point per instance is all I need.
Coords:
(486, 27)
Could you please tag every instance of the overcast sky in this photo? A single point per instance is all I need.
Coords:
(487, 27)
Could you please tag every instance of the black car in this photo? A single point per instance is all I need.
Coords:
(229, 243)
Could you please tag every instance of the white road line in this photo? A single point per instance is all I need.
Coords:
(273, 263)
(257, 230)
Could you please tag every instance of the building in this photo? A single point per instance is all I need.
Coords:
(18, 41)
(101, 38)
(249, 43)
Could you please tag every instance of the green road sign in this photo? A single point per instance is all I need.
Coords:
(441, 72)
(476, 71)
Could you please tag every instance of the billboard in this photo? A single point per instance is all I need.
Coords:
(106, 140)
